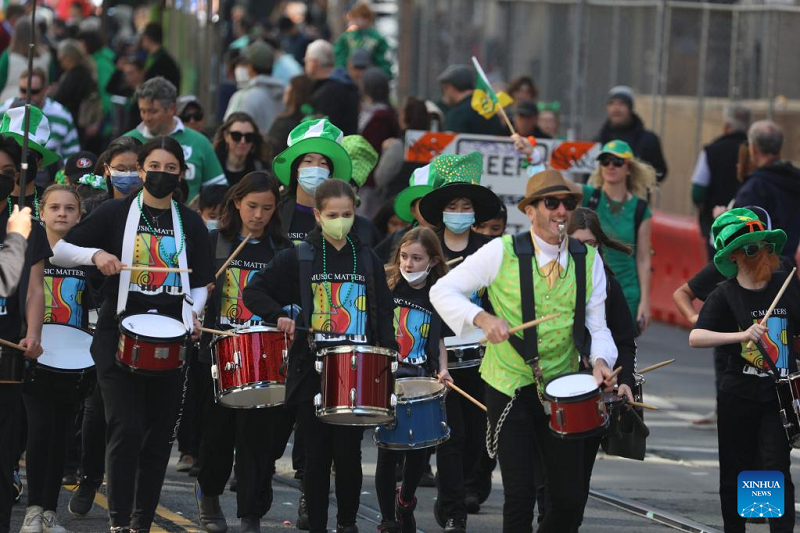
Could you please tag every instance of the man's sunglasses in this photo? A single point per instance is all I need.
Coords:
(24, 90)
(611, 160)
(751, 250)
(552, 202)
(196, 116)
(237, 136)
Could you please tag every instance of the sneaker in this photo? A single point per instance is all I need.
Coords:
(250, 524)
(709, 419)
(82, 501)
(405, 514)
(33, 520)
(473, 503)
(185, 463)
(438, 514)
(347, 529)
(70, 478)
(302, 514)
(50, 523)
(18, 486)
(456, 525)
(209, 513)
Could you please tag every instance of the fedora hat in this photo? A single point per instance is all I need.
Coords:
(547, 183)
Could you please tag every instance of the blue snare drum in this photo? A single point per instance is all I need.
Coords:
(421, 416)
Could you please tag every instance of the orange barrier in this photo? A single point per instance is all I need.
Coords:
(678, 254)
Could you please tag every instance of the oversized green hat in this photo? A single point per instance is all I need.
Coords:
(458, 176)
(38, 133)
(419, 185)
(736, 228)
(363, 157)
(317, 136)
(617, 148)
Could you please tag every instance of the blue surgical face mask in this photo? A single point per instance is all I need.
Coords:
(309, 178)
(212, 224)
(458, 223)
(125, 182)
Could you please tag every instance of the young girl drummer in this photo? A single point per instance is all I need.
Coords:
(144, 229)
(249, 208)
(50, 398)
(345, 300)
(417, 264)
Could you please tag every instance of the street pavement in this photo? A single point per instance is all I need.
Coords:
(679, 476)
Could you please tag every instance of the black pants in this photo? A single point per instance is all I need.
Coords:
(751, 437)
(413, 465)
(456, 458)
(251, 432)
(10, 408)
(325, 444)
(93, 437)
(526, 445)
(49, 419)
(141, 417)
(191, 429)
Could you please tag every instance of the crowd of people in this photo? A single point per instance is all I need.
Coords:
(299, 214)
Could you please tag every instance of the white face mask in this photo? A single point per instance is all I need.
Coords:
(414, 278)
(241, 75)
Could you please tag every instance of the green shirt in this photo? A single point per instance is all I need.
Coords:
(370, 40)
(203, 167)
(620, 227)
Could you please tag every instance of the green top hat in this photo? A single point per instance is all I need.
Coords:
(616, 148)
(317, 136)
(13, 126)
(419, 185)
(363, 156)
(458, 176)
(735, 229)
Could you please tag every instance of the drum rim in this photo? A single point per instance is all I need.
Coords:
(56, 370)
(583, 434)
(56, 324)
(360, 348)
(571, 399)
(438, 395)
(254, 385)
(469, 363)
(146, 371)
(406, 447)
(323, 412)
(463, 347)
(257, 329)
(146, 338)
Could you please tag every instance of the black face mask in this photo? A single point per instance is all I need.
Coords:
(161, 184)
(6, 186)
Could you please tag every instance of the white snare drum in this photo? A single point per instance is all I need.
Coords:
(65, 349)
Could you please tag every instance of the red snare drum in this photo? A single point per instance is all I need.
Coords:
(788, 390)
(357, 385)
(576, 406)
(248, 368)
(151, 344)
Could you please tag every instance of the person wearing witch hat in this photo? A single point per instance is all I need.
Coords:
(750, 433)
(534, 273)
(456, 203)
(21, 309)
(315, 154)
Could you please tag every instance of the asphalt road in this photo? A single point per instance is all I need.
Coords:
(679, 476)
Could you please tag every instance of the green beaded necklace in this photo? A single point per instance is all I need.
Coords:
(173, 260)
(35, 204)
(325, 273)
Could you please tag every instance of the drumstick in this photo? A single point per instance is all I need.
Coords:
(146, 268)
(454, 261)
(465, 394)
(12, 345)
(643, 405)
(233, 256)
(656, 366)
(526, 325)
(219, 332)
(775, 301)
(614, 374)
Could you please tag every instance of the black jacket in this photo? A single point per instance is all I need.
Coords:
(279, 285)
(623, 330)
(776, 188)
(363, 227)
(461, 118)
(164, 65)
(645, 144)
(337, 98)
(722, 155)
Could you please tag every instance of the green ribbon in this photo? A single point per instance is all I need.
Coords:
(94, 181)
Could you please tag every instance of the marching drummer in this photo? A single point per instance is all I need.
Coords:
(22, 309)
(345, 301)
(144, 230)
(417, 264)
(534, 274)
(250, 208)
(456, 204)
(750, 432)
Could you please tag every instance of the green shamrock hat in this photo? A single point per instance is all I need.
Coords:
(363, 156)
(38, 133)
(736, 228)
(458, 176)
(317, 136)
(419, 185)
(617, 148)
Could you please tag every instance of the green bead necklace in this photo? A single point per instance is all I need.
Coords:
(325, 273)
(173, 260)
(35, 204)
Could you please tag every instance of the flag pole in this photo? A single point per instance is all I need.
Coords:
(26, 119)
(482, 74)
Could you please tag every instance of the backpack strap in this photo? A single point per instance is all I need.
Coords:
(434, 336)
(594, 199)
(305, 258)
(638, 218)
(366, 258)
(287, 210)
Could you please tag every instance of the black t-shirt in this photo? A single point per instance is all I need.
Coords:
(746, 374)
(302, 223)
(105, 228)
(31, 201)
(66, 296)
(12, 308)
(412, 322)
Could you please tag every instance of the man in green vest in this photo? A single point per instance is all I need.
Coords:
(561, 277)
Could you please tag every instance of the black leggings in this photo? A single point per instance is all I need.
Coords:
(93, 437)
(10, 428)
(385, 485)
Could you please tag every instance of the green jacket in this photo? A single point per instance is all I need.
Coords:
(368, 39)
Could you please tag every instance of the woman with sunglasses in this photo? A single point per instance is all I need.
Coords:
(749, 429)
(240, 147)
(618, 190)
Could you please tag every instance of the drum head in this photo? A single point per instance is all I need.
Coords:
(65, 347)
(417, 388)
(571, 385)
(154, 326)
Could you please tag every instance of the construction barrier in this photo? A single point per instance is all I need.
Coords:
(678, 254)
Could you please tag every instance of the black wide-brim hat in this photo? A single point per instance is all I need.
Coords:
(485, 203)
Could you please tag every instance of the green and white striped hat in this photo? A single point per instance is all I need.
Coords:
(318, 136)
(420, 184)
(38, 133)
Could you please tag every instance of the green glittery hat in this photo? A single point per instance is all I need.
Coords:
(458, 176)
(363, 156)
